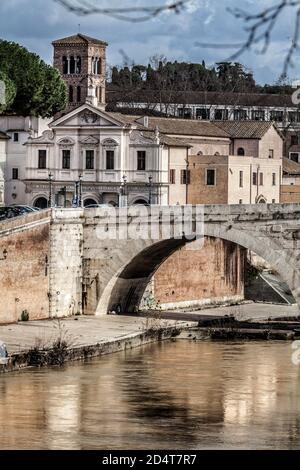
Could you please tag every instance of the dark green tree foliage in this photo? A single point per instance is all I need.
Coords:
(183, 76)
(9, 90)
(39, 89)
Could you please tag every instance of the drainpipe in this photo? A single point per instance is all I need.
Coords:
(257, 185)
(187, 177)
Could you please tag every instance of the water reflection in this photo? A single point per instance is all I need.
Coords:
(178, 395)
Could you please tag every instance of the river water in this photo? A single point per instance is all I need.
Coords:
(172, 395)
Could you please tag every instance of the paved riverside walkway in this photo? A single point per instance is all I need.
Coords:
(79, 331)
(243, 312)
(85, 331)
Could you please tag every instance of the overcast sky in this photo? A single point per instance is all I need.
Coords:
(35, 23)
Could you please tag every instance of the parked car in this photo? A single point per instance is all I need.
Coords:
(9, 213)
(92, 206)
(24, 209)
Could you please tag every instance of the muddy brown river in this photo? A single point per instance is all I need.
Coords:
(172, 395)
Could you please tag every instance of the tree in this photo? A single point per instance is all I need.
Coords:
(40, 91)
(8, 89)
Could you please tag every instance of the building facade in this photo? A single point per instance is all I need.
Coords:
(18, 130)
(110, 156)
(3, 157)
(214, 106)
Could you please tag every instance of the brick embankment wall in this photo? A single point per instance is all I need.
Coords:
(24, 274)
(213, 274)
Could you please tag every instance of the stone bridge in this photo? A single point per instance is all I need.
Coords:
(63, 262)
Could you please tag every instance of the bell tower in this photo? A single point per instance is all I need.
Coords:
(81, 61)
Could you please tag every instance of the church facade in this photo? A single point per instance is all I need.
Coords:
(109, 156)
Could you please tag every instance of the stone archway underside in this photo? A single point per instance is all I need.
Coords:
(126, 287)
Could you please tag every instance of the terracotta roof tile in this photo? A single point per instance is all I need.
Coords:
(4, 136)
(202, 98)
(79, 39)
(185, 127)
(290, 167)
(245, 129)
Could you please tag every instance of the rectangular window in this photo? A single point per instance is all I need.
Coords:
(276, 116)
(294, 156)
(254, 179)
(271, 153)
(221, 114)
(185, 177)
(16, 137)
(240, 114)
(210, 177)
(273, 201)
(294, 140)
(258, 115)
(261, 179)
(203, 113)
(15, 173)
(89, 160)
(273, 179)
(141, 160)
(110, 159)
(66, 159)
(172, 176)
(185, 113)
(241, 179)
(42, 163)
(294, 116)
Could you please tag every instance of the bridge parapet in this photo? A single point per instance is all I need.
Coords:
(24, 222)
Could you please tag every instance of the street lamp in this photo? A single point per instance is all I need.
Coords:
(124, 185)
(187, 180)
(150, 189)
(80, 190)
(123, 192)
(50, 179)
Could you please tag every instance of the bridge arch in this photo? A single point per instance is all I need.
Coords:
(128, 283)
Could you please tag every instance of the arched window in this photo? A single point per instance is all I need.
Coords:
(78, 64)
(41, 203)
(65, 65)
(78, 94)
(71, 97)
(99, 66)
(72, 64)
(94, 65)
(90, 202)
(241, 151)
(217, 154)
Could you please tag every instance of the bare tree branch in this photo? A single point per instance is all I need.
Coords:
(132, 14)
(259, 28)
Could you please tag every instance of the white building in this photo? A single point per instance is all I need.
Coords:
(17, 130)
(3, 156)
(103, 150)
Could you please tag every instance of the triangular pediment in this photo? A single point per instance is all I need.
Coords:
(90, 140)
(86, 116)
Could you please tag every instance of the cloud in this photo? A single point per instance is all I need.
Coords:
(35, 23)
